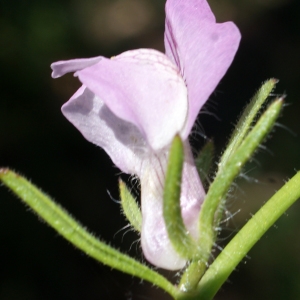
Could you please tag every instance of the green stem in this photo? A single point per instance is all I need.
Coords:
(191, 276)
(248, 236)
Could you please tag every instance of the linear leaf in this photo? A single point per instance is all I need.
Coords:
(70, 229)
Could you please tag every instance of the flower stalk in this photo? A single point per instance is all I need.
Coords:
(246, 238)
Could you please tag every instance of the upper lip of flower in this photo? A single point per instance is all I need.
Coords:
(202, 51)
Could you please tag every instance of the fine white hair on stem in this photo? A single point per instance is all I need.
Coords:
(229, 216)
(265, 149)
(197, 130)
(123, 228)
(211, 104)
(136, 242)
(244, 175)
(248, 178)
(209, 113)
(135, 184)
(289, 130)
(112, 198)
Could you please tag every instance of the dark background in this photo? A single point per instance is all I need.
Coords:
(35, 140)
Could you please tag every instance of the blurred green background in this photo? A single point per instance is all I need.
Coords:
(35, 139)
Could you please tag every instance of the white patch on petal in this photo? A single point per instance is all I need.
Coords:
(156, 245)
(121, 140)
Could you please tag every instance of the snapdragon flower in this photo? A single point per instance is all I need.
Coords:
(132, 105)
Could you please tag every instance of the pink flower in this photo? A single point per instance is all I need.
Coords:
(133, 105)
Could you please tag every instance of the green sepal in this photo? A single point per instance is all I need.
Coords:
(227, 173)
(246, 122)
(130, 207)
(59, 219)
(204, 161)
(178, 234)
(247, 119)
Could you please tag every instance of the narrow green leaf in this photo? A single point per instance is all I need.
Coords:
(178, 234)
(247, 119)
(72, 231)
(204, 161)
(130, 207)
(227, 173)
(246, 238)
(243, 127)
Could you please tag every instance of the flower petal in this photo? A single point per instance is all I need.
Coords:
(62, 67)
(144, 88)
(202, 49)
(156, 244)
(121, 140)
